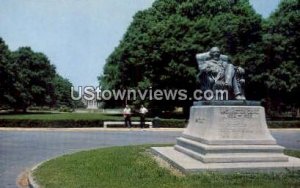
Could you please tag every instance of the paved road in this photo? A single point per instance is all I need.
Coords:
(20, 150)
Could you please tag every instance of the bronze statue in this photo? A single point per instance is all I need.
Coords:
(217, 73)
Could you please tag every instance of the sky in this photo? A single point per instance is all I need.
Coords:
(77, 35)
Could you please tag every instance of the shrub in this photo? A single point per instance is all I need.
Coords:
(72, 123)
(284, 124)
(50, 123)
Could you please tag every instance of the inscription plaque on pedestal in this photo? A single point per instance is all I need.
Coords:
(228, 125)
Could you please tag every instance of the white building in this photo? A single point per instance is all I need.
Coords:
(91, 104)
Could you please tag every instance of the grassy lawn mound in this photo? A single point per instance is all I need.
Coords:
(133, 166)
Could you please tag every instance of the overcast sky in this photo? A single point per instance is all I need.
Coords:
(77, 35)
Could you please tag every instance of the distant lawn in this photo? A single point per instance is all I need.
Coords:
(132, 166)
(70, 116)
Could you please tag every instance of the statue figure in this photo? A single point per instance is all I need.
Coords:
(217, 73)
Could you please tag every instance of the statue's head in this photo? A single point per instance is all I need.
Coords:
(215, 53)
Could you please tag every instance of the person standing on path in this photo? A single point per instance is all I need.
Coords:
(127, 116)
(143, 112)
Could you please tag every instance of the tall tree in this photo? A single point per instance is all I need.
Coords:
(159, 47)
(5, 72)
(28, 78)
(31, 83)
(277, 68)
(62, 95)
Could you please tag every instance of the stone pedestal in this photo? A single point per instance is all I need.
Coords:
(227, 138)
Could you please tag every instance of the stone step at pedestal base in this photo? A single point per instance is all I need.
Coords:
(189, 165)
(230, 153)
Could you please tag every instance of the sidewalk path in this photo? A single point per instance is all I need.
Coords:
(23, 148)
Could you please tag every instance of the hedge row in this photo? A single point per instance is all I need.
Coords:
(35, 123)
(165, 123)
(49, 124)
(284, 124)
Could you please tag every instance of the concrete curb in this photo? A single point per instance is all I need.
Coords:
(31, 182)
(90, 129)
(112, 129)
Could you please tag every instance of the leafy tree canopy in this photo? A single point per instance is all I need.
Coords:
(276, 71)
(29, 79)
(160, 45)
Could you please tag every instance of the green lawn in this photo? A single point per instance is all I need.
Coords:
(132, 166)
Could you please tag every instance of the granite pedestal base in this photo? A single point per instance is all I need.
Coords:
(229, 139)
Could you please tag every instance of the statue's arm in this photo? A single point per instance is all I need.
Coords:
(201, 60)
(202, 68)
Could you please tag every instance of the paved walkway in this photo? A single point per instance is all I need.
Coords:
(20, 149)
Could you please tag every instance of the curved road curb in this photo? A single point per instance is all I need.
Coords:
(281, 134)
(31, 182)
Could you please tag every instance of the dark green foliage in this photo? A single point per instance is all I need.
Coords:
(62, 97)
(158, 50)
(283, 124)
(273, 71)
(172, 123)
(96, 120)
(34, 123)
(5, 73)
(29, 79)
(282, 53)
(77, 123)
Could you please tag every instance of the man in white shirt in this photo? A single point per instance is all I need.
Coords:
(127, 116)
(143, 112)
